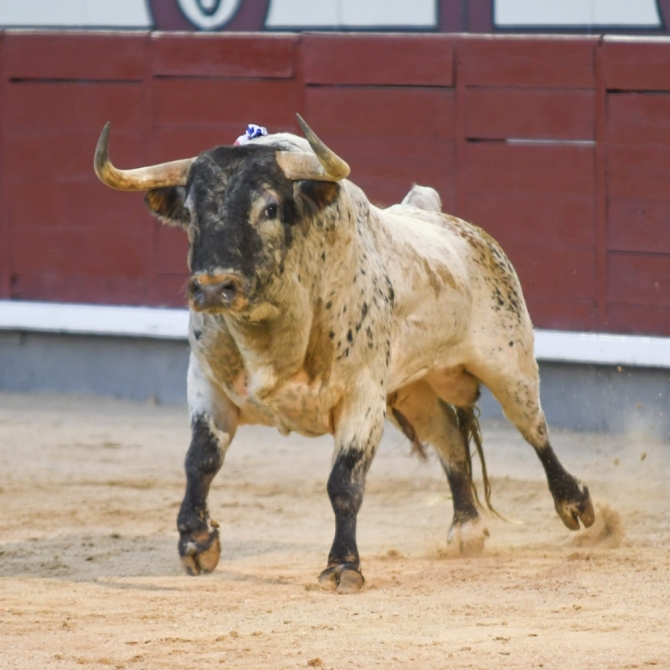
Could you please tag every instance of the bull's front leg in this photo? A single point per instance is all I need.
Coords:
(213, 423)
(358, 431)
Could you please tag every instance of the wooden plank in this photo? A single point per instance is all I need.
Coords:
(638, 319)
(639, 279)
(547, 169)
(638, 118)
(5, 257)
(83, 204)
(225, 103)
(79, 106)
(601, 191)
(548, 273)
(563, 314)
(171, 252)
(535, 219)
(426, 113)
(224, 55)
(638, 172)
(529, 61)
(638, 225)
(636, 65)
(61, 252)
(73, 55)
(382, 59)
(534, 113)
(386, 168)
(110, 290)
(67, 154)
(170, 291)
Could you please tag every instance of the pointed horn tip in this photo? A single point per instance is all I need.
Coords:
(101, 158)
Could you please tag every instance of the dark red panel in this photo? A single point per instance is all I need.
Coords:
(63, 155)
(522, 168)
(381, 112)
(376, 169)
(548, 273)
(638, 319)
(226, 103)
(529, 61)
(412, 60)
(638, 225)
(101, 252)
(537, 113)
(563, 314)
(114, 290)
(636, 65)
(638, 118)
(207, 55)
(72, 55)
(171, 252)
(639, 279)
(71, 105)
(170, 291)
(638, 172)
(534, 220)
(81, 203)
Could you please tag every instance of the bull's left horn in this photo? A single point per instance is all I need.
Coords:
(174, 173)
(328, 166)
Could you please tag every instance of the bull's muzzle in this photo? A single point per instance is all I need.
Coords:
(213, 293)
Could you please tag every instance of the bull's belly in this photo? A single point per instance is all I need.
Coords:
(294, 406)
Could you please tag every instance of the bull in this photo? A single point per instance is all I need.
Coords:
(312, 310)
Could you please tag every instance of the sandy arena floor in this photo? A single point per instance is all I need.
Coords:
(89, 574)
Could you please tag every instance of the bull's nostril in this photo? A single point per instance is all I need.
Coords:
(229, 290)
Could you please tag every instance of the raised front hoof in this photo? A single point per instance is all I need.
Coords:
(576, 510)
(469, 536)
(343, 578)
(199, 552)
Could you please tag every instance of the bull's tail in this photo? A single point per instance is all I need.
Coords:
(468, 424)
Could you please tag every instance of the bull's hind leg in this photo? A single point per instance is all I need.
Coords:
(358, 429)
(213, 423)
(518, 391)
(424, 417)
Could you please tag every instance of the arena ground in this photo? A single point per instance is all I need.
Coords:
(89, 575)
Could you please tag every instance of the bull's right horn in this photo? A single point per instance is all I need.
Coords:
(174, 173)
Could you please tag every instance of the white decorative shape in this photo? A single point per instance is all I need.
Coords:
(75, 13)
(576, 13)
(352, 14)
(302, 13)
(388, 13)
(217, 14)
(172, 324)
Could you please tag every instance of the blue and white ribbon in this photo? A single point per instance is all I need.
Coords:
(253, 131)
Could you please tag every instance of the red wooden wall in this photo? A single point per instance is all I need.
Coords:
(559, 147)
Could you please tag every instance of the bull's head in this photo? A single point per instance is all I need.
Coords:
(240, 206)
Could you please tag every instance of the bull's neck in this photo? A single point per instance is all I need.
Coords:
(306, 295)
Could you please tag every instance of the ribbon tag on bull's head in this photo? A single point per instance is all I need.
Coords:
(253, 131)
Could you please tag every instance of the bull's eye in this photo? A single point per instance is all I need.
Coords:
(271, 211)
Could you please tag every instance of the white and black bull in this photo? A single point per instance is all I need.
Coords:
(314, 311)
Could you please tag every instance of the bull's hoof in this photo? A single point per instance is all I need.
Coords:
(580, 508)
(469, 536)
(343, 578)
(199, 552)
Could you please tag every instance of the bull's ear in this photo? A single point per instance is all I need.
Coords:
(167, 204)
(319, 193)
